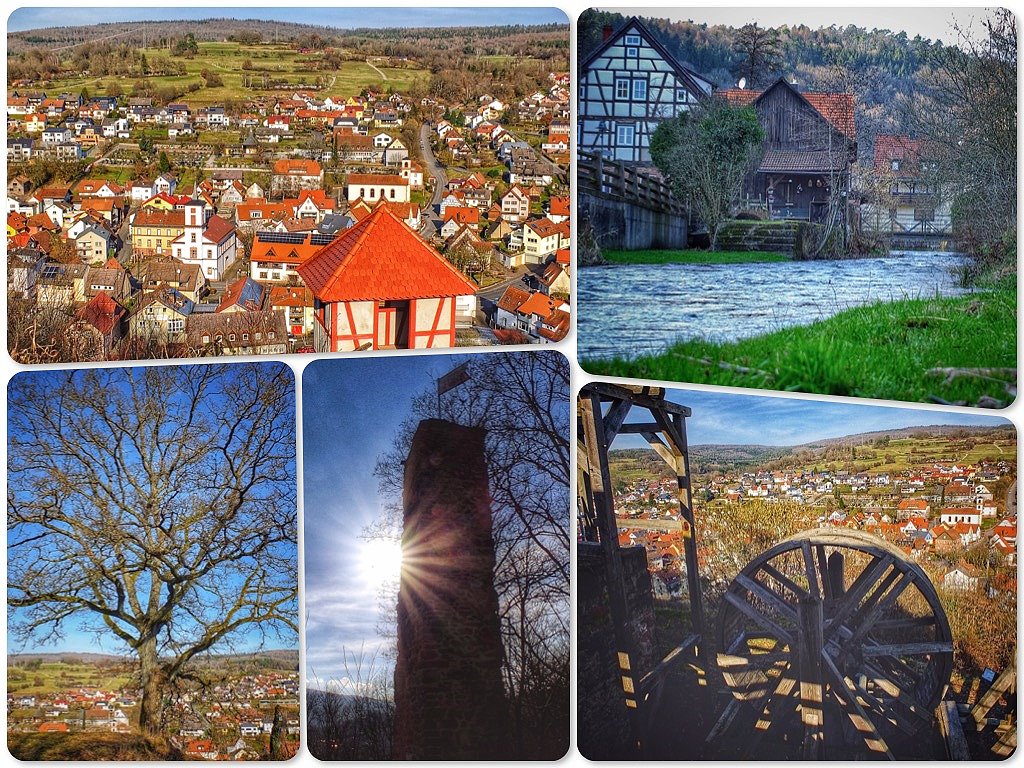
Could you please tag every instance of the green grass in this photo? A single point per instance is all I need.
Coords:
(883, 350)
(58, 676)
(692, 257)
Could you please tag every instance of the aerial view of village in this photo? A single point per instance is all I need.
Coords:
(152, 564)
(816, 200)
(907, 522)
(187, 185)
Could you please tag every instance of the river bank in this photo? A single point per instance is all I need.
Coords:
(924, 349)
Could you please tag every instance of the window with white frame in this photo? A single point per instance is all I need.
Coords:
(624, 135)
(639, 89)
(622, 88)
(632, 40)
(176, 325)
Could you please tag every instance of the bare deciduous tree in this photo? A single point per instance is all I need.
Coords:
(156, 506)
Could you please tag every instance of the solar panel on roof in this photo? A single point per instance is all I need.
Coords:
(50, 271)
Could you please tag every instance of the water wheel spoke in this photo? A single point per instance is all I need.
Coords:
(867, 578)
(909, 649)
(895, 625)
(889, 590)
(767, 596)
(894, 693)
(812, 574)
(759, 618)
(864, 724)
(784, 580)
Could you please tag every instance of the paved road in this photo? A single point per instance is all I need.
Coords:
(435, 170)
(1011, 501)
(494, 292)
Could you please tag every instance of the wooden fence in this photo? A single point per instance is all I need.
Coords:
(612, 179)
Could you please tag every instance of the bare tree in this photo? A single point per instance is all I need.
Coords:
(156, 506)
(760, 54)
(966, 113)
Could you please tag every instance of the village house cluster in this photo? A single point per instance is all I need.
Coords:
(227, 721)
(933, 512)
(316, 222)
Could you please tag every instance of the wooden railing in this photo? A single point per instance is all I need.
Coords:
(612, 179)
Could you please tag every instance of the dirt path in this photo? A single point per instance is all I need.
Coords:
(374, 68)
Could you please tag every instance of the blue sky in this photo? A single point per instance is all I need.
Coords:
(351, 411)
(343, 18)
(737, 419)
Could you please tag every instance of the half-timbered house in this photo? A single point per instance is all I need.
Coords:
(903, 196)
(379, 286)
(628, 85)
(809, 147)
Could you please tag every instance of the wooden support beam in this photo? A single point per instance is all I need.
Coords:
(810, 618)
(953, 731)
(1006, 681)
(640, 396)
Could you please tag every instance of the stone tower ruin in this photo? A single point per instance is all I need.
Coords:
(449, 699)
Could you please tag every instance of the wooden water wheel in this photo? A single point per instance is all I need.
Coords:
(835, 641)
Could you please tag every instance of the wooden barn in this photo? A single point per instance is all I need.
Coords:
(628, 85)
(809, 148)
(379, 286)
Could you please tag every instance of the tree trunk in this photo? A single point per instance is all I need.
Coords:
(152, 687)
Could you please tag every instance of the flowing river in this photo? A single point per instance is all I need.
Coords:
(628, 311)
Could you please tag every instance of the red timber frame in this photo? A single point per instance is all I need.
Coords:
(435, 333)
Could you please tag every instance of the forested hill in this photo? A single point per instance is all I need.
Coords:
(876, 65)
(397, 41)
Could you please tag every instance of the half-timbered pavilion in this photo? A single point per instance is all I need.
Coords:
(380, 286)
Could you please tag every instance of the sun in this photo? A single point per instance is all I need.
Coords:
(380, 561)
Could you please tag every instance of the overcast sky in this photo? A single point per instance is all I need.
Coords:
(933, 23)
(342, 18)
(721, 418)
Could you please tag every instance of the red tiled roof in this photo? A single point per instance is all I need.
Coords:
(381, 258)
(889, 147)
(513, 298)
(217, 229)
(559, 205)
(462, 214)
(297, 168)
(103, 313)
(377, 178)
(836, 108)
(155, 217)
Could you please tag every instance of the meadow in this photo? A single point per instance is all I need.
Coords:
(278, 62)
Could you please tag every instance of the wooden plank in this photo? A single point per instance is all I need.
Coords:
(908, 649)
(766, 595)
(1007, 679)
(864, 725)
(953, 731)
(784, 580)
(619, 392)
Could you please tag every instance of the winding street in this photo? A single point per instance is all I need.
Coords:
(430, 162)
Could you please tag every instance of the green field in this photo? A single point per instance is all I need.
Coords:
(691, 257)
(276, 61)
(52, 676)
(883, 350)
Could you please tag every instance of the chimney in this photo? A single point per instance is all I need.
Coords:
(606, 33)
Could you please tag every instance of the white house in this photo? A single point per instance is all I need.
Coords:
(211, 243)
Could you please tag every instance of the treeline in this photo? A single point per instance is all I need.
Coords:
(97, 59)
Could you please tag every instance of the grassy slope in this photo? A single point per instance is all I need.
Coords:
(691, 257)
(89, 746)
(881, 351)
(226, 59)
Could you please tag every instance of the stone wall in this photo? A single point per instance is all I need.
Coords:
(603, 725)
(793, 238)
(621, 225)
(449, 699)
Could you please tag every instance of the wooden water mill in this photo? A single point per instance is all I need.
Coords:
(832, 644)
(833, 637)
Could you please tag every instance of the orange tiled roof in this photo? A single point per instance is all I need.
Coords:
(381, 258)
(836, 108)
